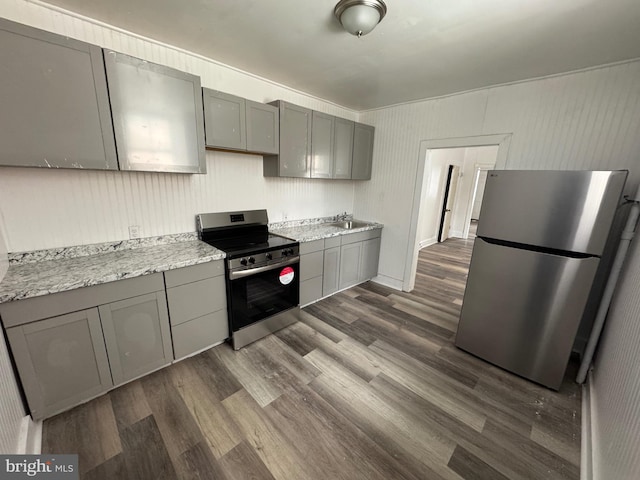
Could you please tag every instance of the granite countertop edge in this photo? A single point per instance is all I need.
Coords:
(319, 231)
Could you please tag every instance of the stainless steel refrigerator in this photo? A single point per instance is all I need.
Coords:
(540, 238)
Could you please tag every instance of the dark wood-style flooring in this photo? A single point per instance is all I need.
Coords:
(367, 386)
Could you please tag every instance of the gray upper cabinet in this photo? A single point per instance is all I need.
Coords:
(137, 335)
(62, 361)
(225, 120)
(235, 123)
(362, 152)
(295, 143)
(157, 116)
(322, 131)
(55, 106)
(342, 148)
(263, 127)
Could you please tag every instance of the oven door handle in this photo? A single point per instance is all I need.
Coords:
(254, 271)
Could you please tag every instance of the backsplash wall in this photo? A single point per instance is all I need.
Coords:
(46, 209)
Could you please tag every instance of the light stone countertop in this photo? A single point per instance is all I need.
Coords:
(32, 274)
(28, 280)
(309, 232)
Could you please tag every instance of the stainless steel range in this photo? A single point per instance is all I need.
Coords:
(262, 273)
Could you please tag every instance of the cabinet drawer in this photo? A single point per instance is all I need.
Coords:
(311, 265)
(199, 333)
(310, 247)
(360, 236)
(196, 299)
(20, 312)
(332, 242)
(180, 276)
(310, 290)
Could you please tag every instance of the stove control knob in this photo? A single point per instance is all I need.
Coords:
(291, 251)
(243, 262)
(285, 252)
(252, 260)
(268, 256)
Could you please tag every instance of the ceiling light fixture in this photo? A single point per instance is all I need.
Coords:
(359, 17)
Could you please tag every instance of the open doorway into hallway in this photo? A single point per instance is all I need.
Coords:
(435, 217)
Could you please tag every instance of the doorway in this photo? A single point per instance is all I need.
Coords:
(472, 155)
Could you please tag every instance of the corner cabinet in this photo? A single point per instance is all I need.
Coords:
(235, 123)
(294, 159)
(157, 116)
(55, 105)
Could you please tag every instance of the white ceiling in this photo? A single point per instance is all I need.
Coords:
(421, 49)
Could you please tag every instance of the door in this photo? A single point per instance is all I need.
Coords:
(225, 120)
(342, 148)
(362, 151)
(331, 270)
(350, 264)
(263, 127)
(62, 361)
(322, 145)
(295, 141)
(136, 332)
(448, 203)
(522, 308)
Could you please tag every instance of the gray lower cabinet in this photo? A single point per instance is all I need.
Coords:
(55, 105)
(350, 264)
(137, 336)
(370, 256)
(235, 123)
(294, 159)
(362, 152)
(331, 264)
(157, 116)
(322, 145)
(62, 361)
(359, 253)
(197, 302)
(311, 271)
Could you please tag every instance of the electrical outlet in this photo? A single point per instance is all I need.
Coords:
(285, 216)
(134, 231)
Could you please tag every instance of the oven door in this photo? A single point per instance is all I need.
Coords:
(262, 292)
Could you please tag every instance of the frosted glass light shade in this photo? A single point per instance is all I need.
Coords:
(359, 17)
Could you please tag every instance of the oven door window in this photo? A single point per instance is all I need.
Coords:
(259, 296)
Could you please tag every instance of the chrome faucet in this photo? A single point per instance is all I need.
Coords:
(341, 217)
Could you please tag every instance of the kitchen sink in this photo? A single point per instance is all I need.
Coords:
(349, 224)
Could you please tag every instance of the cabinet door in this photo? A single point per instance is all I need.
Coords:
(157, 116)
(62, 361)
(295, 141)
(263, 128)
(136, 332)
(369, 259)
(55, 107)
(342, 148)
(310, 290)
(362, 152)
(322, 126)
(350, 264)
(331, 271)
(225, 120)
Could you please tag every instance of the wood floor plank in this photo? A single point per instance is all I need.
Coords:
(213, 372)
(220, 431)
(321, 327)
(272, 447)
(144, 452)
(339, 386)
(177, 427)
(129, 404)
(198, 463)
(471, 467)
(552, 441)
(243, 463)
(68, 433)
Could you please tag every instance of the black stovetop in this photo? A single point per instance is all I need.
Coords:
(239, 246)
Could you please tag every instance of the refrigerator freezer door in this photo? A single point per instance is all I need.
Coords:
(521, 309)
(564, 210)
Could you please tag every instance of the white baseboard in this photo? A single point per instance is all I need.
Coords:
(30, 438)
(388, 282)
(586, 447)
(425, 243)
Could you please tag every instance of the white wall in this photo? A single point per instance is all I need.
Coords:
(435, 180)
(615, 389)
(586, 120)
(81, 207)
(11, 409)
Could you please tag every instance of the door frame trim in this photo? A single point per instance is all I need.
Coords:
(503, 142)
